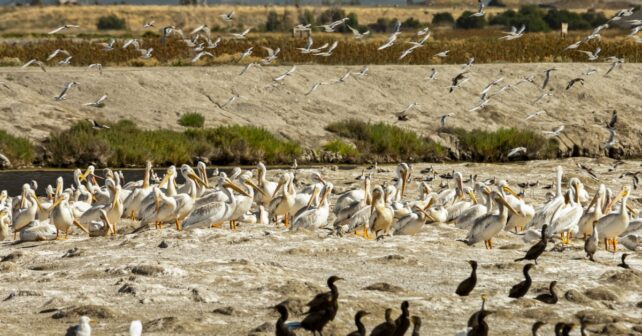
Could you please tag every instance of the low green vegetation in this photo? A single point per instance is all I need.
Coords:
(18, 150)
(192, 120)
(111, 22)
(386, 143)
(347, 151)
(493, 146)
(124, 144)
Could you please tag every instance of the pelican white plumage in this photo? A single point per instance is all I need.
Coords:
(381, 215)
(460, 204)
(611, 226)
(215, 213)
(469, 216)
(27, 209)
(101, 227)
(585, 225)
(114, 209)
(282, 205)
(411, 224)
(244, 203)
(4, 223)
(567, 217)
(303, 197)
(136, 328)
(132, 203)
(544, 214)
(315, 217)
(38, 231)
(449, 196)
(62, 217)
(162, 210)
(268, 187)
(486, 227)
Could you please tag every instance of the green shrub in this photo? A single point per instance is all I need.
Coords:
(386, 143)
(466, 21)
(346, 150)
(411, 24)
(18, 150)
(124, 144)
(192, 120)
(443, 19)
(111, 22)
(493, 146)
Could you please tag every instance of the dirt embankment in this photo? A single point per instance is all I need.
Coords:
(156, 97)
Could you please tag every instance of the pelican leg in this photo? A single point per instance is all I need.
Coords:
(614, 244)
(178, 225)
(66, 233)
(490, 243)
(132, 216)
(486, 244)
(57, 235)
(287, 220)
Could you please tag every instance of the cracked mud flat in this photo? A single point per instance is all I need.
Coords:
(219, 282)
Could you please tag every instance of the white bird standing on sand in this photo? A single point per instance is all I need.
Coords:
(268, 187)
(547, 211)
(36, 62)
(62, 28)
(62, 216)
(215, 213)
(100, 102)
(68, 86)
(242, 35)
(486, 227)
(585, 225)
(83, 328)
(566, 219)
(27, 209)
(282, 205)
(611, 226)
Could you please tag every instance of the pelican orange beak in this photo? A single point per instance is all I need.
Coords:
(197, 179)
(472, 197)
(431, 201)
(255, 187)
(204, 179)
(165, 179)
(84, 175)
(23, 200)
(593, 201)
(633, 211)
(404, 182)
(112, 229)
(82, 228)
(231, 185)
(508, 189)
(37, 200)
(614, 201)
(278, 187)
(429, 216)
(487, 190)
(116, 197)
(502, 200)
(58, 190)
(56, 203)
(315, 192)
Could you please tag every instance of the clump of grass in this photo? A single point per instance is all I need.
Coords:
(192, 120)
(347, 151)
(387, 143)
(18, 150)
(493, 146)
(124, 144)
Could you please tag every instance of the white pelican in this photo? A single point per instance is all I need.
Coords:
(38, 231)
(614, 224)
(460, 205)
(162, 210)
(315, 217)
(544, 214)
(217, 195)
(269, 188)
(565, 220)
(525, 212)
(352, 197)
(449, 196)
(260, 216)
(28, 208)
(438, 213)
(132, 204)
(4, 223)
(62, 216)
(395, 193)
(170, 180)
(585, 225)
(244, 203)
(381, 215)
(102, 227)
(575, 183)
(185, 203)
(282, 205)
(215, 213)
(349, 203)
(81, 192)
(303, 197)
(468, 217)
(114, 209)
(411, 223)
(486, 227)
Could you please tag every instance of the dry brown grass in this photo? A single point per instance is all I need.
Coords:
(43, 19)
(485, 47)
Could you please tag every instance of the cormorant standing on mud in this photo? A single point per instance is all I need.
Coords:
(546, 297)
(386, 328)
(402, 323)
(521, 288)
(361, 329)
(536, 250)
(323, 308)
(281, 328)
(467, 286)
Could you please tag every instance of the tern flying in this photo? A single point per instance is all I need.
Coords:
(330, 27)
(442, 54)
(36, 62)
(227, 16)
(65, 90)
(96, 66)
(272, 55)
(98, 103)
(357, 35)
(65, 27)
(514, 33)
(149, 24)
(363, 72)
(201, 54)
(592, 56)
(56, 52)
(242, 35)
(556, 131)
(329, 51)
(534, 115)
(280, 78)
(547, 77)
(573, 81)
(245, 54)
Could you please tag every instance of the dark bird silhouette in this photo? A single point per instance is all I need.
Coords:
(416, 325)
(402, 323)
(588, 170)
(613, 121)
(563, 329)
(456, 81)
(549, 298)
(361, 329)
(386, 328)
(547, 77)
(281, 328)
(323, 308)
(467, 286)
(521, 288)
(623, 264)
(536, 250)
(536, 326)
(573, 81)
(476, 323)
(96, 125)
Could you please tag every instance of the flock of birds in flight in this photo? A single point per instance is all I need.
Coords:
(201, 44)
